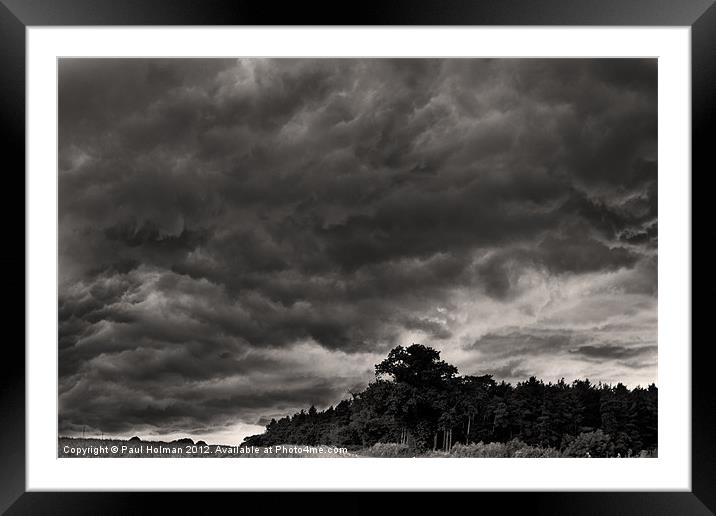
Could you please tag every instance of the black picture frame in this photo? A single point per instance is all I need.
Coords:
(17, 15)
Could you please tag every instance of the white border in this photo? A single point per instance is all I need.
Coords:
(670, 471)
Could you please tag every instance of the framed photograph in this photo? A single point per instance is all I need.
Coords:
(447, 246)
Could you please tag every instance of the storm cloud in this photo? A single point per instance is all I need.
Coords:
(242, 238)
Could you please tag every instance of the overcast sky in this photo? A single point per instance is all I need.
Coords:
(239, 239)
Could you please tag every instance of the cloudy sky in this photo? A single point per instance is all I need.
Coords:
(242, 238)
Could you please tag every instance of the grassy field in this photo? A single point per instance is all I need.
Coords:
(106, 448)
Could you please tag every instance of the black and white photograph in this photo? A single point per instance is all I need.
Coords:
(357, 257)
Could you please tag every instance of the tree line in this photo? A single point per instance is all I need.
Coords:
(419, 400)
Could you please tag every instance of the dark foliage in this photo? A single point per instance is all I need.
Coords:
(418, 400)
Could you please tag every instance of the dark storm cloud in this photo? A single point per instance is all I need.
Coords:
(218, 217)
(537, 342)
(522, 343)
(607, 352)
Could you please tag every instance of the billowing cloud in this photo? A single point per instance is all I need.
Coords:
(241, 238)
